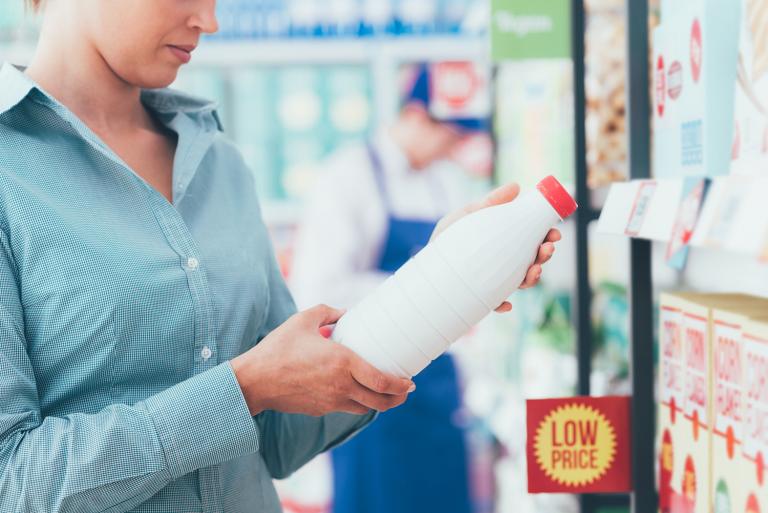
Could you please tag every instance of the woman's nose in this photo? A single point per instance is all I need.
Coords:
(204, 17)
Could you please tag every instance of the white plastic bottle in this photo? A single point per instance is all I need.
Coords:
(453, 283)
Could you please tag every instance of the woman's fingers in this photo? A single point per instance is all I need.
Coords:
(500, 195)
(321, 315)
(554, 235)
(532, 276)
(546, 251)
(373, 379)
(373, 400)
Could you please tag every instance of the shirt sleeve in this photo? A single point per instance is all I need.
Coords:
(292, 440)
(116, 458)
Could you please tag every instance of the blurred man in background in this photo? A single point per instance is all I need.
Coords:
(375, 206)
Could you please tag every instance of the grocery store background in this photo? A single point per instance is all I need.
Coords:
(297, 80)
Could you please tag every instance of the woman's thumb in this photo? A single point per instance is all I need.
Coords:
(322, 315)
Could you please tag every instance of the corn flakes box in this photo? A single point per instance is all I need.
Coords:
(735, 358)
(753, 490)
(684, 410)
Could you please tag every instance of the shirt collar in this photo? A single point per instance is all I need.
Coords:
(172, 102)
(15, 86)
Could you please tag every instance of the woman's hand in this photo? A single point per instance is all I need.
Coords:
(295, 370)
(505, 194)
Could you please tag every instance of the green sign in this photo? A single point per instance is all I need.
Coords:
(530, 29)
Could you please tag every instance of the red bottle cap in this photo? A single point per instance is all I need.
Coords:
(557, 196)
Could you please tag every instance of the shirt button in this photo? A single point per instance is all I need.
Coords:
(192, 263)
(206, 353)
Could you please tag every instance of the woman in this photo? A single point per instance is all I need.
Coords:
(136, 280)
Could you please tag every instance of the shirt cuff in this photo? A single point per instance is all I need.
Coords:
(203, 421)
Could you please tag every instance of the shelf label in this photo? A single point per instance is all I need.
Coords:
(694, 191)
(640, 207)
(530, 29)
(578, 445)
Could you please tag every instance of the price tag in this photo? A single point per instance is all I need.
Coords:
(640, 207)
(578, 445)
(694, 191)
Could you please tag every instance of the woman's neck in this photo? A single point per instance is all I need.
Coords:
(70, 68)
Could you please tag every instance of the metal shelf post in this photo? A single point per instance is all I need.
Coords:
(643, 499)
(640, 277)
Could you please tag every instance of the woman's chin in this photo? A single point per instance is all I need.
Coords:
(159, 77)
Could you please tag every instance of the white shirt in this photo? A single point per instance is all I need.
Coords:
(344, 225)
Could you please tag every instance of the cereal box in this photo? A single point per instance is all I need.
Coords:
(697, 57)
(683, 434)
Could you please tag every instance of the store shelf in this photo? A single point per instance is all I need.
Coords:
(330, 51)
(314, 51)
(733, 217)
(660, 210)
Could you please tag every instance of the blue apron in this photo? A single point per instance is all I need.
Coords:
(413, 459)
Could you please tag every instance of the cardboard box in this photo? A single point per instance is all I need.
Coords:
(664, 161)
(727, 399)
(750, 133)
(752, 493)
(700, 417)
(669, 429)
(730, 469)
(696, 52)
(683, 434)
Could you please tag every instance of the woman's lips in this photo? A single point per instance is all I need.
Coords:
(184, 54)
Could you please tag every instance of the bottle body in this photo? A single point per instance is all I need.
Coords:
(448, 287)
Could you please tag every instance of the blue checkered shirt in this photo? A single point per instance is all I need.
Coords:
(119, 312)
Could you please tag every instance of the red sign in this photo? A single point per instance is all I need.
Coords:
(675, 80)
(660, 86)
(696, 50)
(579, 445)
(455, 83)
(459, 90)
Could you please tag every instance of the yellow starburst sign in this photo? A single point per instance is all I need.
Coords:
(575, 445)
(578, 445)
